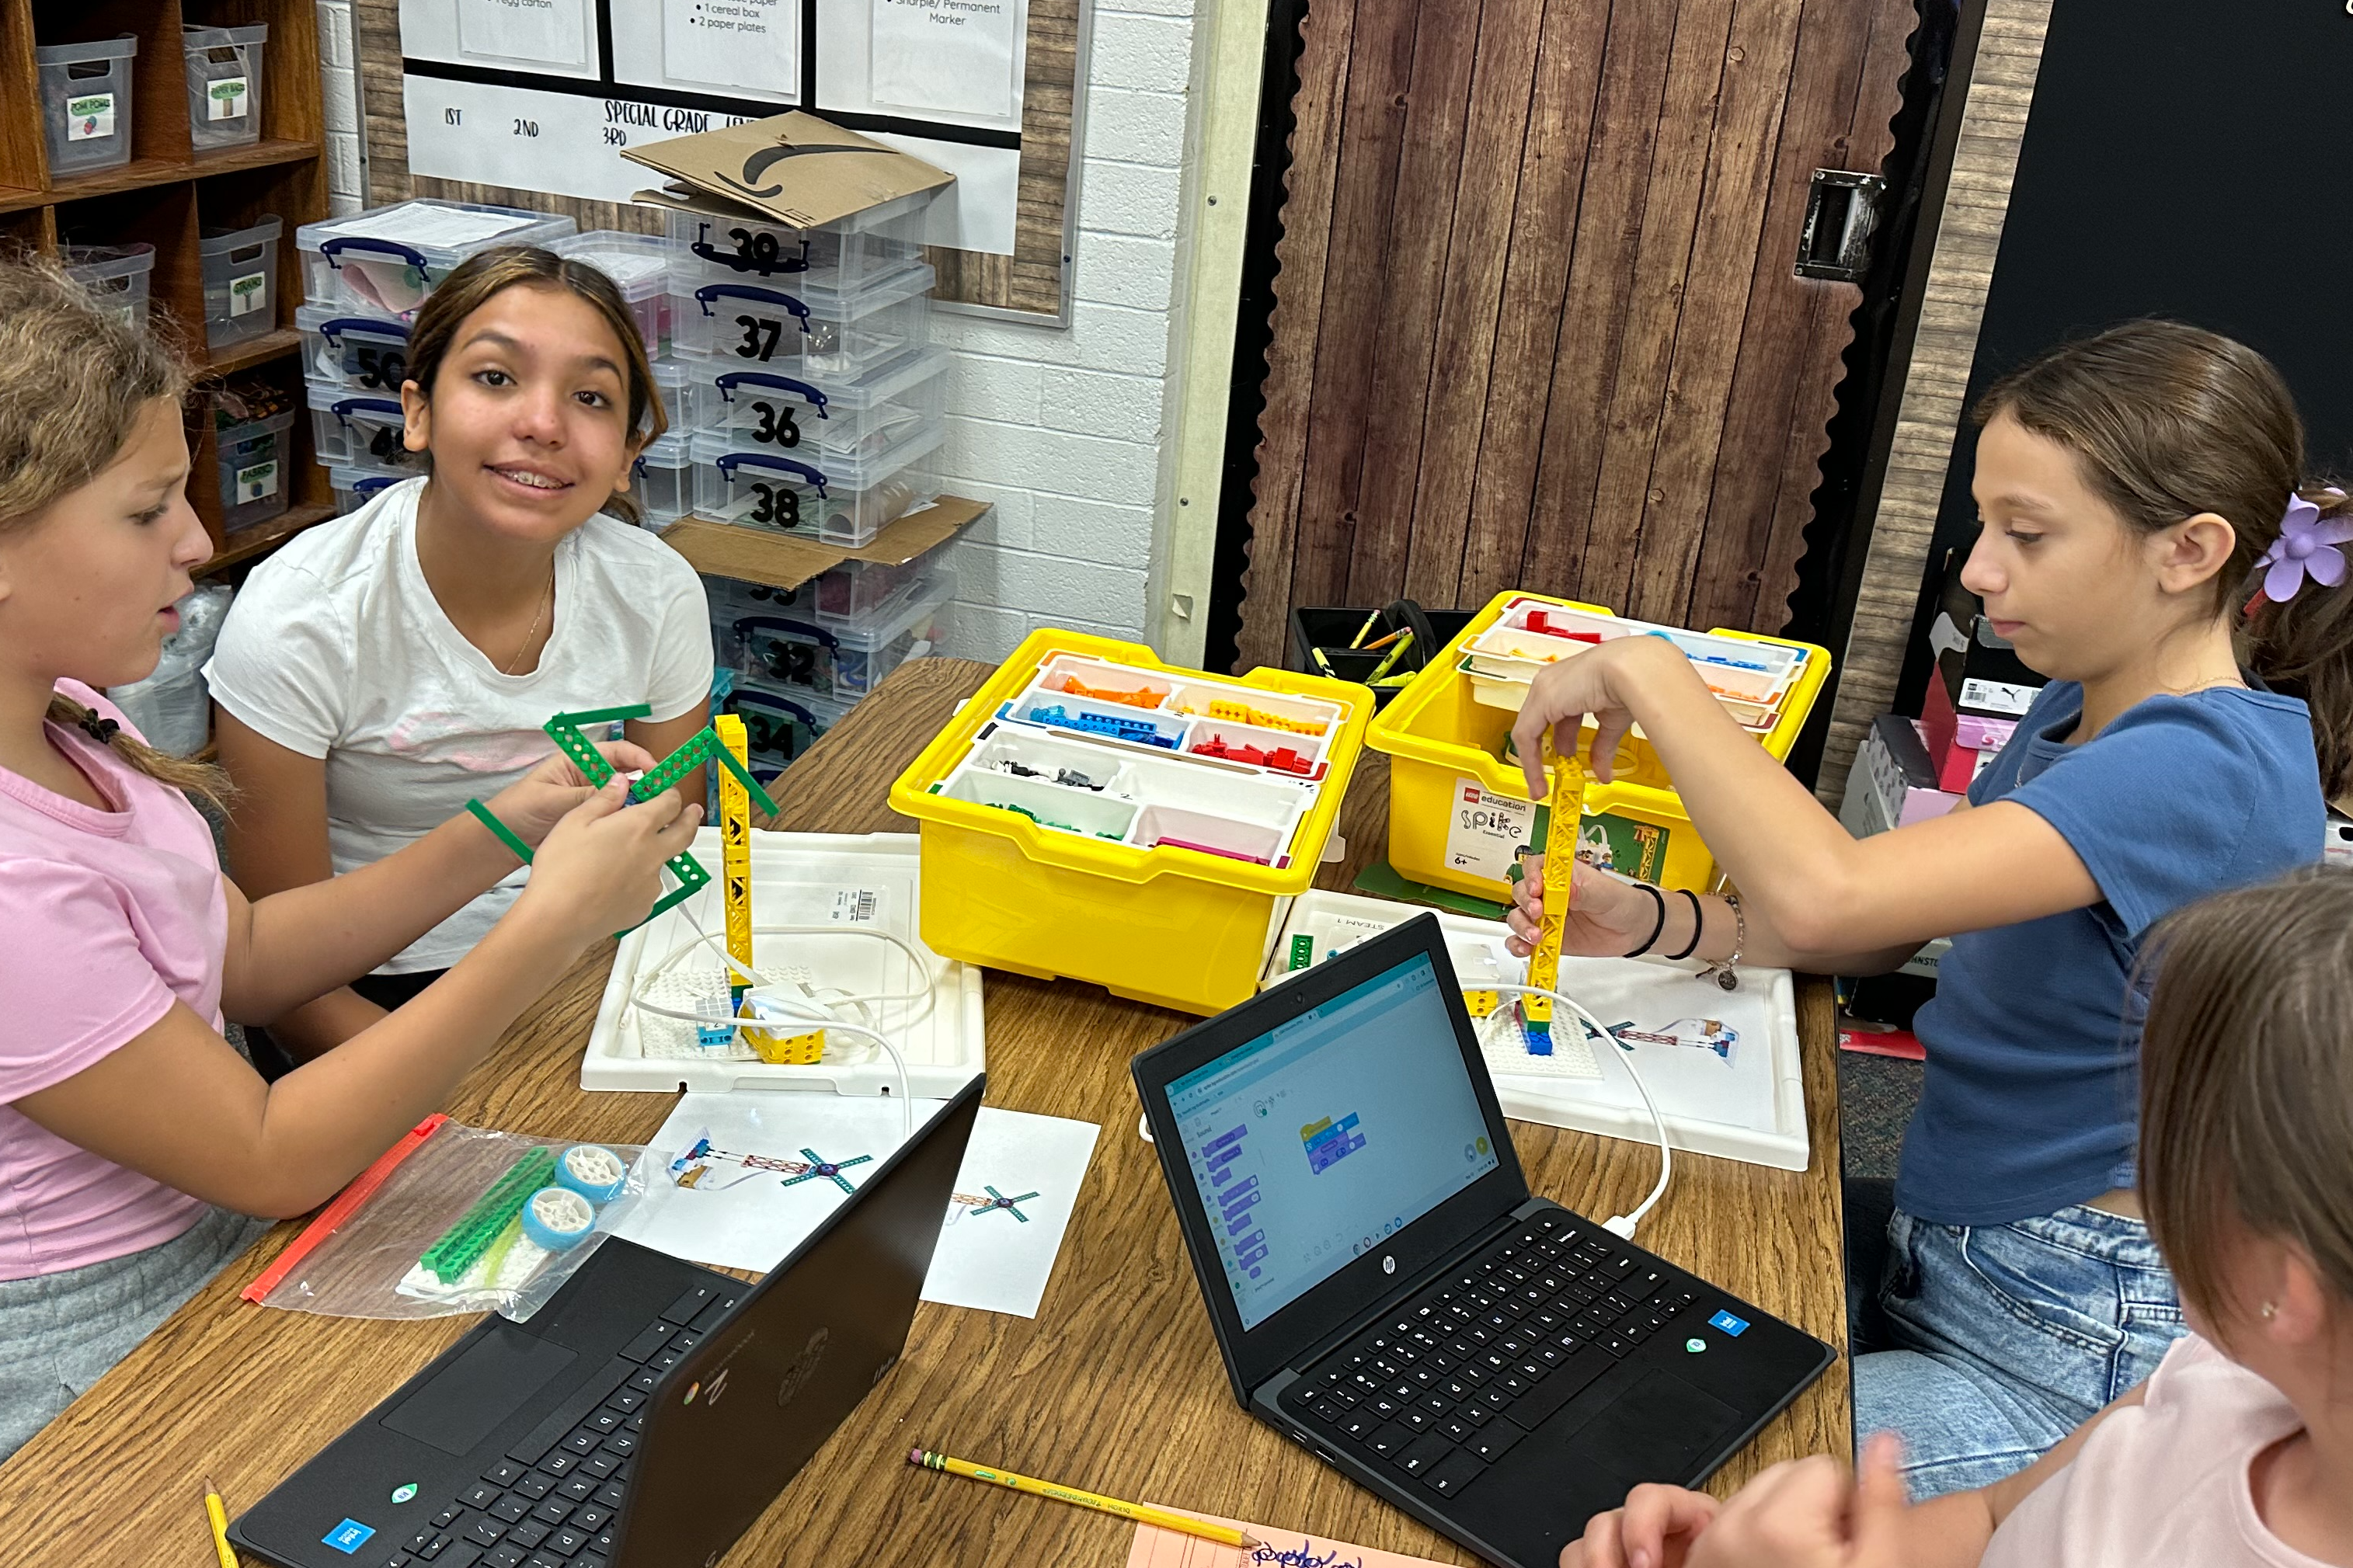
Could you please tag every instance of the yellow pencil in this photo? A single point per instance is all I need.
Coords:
(220, 1517)
(1143, 1513)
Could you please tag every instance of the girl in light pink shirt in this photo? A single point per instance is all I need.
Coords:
(132, 1136)
(2238, 1451)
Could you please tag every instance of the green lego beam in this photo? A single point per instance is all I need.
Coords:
(565, 730)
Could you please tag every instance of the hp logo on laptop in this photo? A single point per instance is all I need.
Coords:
(1388, 1264)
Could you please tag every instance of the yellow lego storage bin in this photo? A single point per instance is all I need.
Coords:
(1095, 814)
(1459, 805)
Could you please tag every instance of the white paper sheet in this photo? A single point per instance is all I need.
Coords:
(759, 1188)
(753, 43)
(951, 55)
(737, 1181)
(1015, 1194)
(421, 223)
(550, 32)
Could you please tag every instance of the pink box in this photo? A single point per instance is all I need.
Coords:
(1977, 733)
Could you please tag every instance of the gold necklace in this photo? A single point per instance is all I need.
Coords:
(547, 599)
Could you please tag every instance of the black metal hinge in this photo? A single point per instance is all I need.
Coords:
(1842, 219)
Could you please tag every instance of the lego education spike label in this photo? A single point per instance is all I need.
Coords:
(1485, 831)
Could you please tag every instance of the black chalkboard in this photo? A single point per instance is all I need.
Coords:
(2183, 158)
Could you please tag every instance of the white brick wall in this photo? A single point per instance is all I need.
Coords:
(339, 84)
(1060, 428)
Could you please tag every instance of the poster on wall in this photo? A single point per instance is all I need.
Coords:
(544, 95)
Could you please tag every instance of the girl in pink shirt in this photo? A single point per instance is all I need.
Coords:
(2238, 1451)
(132, 1136)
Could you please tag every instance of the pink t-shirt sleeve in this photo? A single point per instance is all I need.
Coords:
(64, 1016)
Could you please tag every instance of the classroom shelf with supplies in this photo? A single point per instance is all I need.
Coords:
(166, 151)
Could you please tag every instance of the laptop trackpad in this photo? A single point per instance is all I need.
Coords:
(468, 1398)
(1656, 1430)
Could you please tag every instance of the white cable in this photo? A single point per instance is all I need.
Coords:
(1621, 1226)
(814, 1013)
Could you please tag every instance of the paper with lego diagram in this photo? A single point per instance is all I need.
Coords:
(1014, 1199)
(1158, 1548)
(742, 1179)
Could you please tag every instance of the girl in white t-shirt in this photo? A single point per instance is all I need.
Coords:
(381, 669)
(2238, 1451)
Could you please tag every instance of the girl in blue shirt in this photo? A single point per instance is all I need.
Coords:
(2144, 545)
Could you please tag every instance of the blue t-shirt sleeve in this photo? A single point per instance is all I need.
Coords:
(2181, 797)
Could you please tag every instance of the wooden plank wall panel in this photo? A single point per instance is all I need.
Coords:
(1952, 306)
(1616, 390)
(1030, 279)
(1785, 387)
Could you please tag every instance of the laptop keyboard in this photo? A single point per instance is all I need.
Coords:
(1443, 1386)
(551, 1502)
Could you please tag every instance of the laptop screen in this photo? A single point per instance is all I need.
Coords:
(1322, 1137)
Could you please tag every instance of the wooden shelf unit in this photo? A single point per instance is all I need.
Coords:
(170, 194)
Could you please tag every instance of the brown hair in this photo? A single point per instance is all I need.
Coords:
(2246, 1083)
(74, 380)
(486, 274)
(2169, 421)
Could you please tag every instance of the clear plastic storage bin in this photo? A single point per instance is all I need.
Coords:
(639, 265)
(240, 282)
(780, 723)
(837, 257)
(799, 330)
(358, 353)
(856, 589)
(355, 488)
(776, 410)
(256, 469)
(118, 275)
(663, 480)
(361, 430)
(785, 649)
(86, 103)
(844, 503)
(224, 69)
(386, 260)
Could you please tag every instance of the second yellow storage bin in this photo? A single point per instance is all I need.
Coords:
(1459, 809)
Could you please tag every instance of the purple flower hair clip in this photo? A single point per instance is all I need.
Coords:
(2308, 546)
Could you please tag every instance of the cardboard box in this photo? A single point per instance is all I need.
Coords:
(1893, 783)
(792, 169)
(757, 555)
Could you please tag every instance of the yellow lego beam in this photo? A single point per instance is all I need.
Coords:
(1568, 798)
(735, 873)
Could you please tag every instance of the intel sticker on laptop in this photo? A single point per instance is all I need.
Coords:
(1733, 1326)
(349, 1536)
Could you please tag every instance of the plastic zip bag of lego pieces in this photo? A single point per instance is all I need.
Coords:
(457, 1219)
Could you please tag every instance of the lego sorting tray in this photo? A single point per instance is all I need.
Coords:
(836, 882)
(1280, 736)
(1183, 922)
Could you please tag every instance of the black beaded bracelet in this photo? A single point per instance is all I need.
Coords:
(1660, 900)
(1699, 924)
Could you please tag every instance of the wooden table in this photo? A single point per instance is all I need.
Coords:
(1116, 1384)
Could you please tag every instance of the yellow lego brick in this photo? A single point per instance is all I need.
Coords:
(1568, 797)
(735, 848)
(786, 1050)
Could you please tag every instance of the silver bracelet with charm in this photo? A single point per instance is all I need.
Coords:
(1724, 970)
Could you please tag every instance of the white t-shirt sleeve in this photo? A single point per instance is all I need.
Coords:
(680, 677)
(283, 664)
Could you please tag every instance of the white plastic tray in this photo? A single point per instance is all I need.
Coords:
(798, 879)
(1750, 1108)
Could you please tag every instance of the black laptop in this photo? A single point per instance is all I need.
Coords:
(1386, 1291)
(644, 1416)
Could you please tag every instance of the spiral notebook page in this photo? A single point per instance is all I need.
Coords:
(1158, 1548)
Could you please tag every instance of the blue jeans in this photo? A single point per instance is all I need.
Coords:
(2006, 1338)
